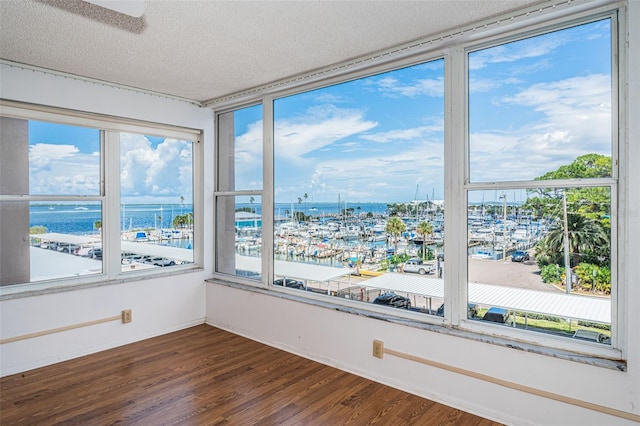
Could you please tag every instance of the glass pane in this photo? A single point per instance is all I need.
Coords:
(358, 174)
(240, 149)
(540, 102)
(40, 158)
(239, 225)
(64, 240)
(523, 244)
(156, 212)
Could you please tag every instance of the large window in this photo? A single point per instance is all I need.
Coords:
(540, 250)
(506, 145)
(85, 201)
(359, 189)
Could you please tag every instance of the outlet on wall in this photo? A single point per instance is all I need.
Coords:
(126, 316)
(378, 348)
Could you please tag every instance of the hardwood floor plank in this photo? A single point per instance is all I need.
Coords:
(207, 376)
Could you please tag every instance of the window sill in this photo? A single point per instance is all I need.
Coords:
(19, 291)
(618, 365)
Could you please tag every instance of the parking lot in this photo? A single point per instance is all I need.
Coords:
(512, 274)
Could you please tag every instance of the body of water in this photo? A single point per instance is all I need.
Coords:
(81, 219)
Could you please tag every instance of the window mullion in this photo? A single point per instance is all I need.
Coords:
(267, 191)
(111, 213)
(454, 178)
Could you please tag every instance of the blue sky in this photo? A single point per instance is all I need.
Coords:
(534, 105)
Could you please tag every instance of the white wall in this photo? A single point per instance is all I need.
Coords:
(345, 341)
(342, 340)
(159, 305)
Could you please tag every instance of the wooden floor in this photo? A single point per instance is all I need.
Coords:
(206, 376)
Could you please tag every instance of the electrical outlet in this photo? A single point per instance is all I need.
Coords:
(126, 316)
(378, 348)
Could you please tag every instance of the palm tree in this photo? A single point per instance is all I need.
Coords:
(305, 200)
(424, 228)
(585, 235)
(395, 226)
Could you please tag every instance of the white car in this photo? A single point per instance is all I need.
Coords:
(418, 266)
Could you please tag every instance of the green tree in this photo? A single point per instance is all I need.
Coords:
(585, 235)
(592, 202)
(179, 221)
(424, 229)
(97, 224)
(37, 230)
(395, 227)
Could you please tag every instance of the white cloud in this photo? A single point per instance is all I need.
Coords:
(390, 86)
(161, 171)
(400, 134)
(316, 129)
(388, 177)
(42, 155)
(576, 120)
(62, 169)
(528, 48)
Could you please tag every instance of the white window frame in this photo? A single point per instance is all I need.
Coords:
(615, 349)
(109, 197)
(456, 179)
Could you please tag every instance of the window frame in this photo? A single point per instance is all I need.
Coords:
(456, 179)
(110, 128)
(616, 349)
(218, 193)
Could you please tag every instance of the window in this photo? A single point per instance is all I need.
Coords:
(543, 244)
(359, 188)
(156, 209)
(508, 146)
(239, 193)
(51, 174)
(60, 177)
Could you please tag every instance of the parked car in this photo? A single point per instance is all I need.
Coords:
(393, 300)
(132, 257)
(83, 251)
(472, 310)
(519, 256)
(95, 253)
(416, 265)
(290, 283)
(496, 315)
(68, 248)
(160, 261)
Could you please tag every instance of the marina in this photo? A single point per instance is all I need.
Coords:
(371, 256)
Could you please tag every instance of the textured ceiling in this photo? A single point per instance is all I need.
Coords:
(202, 50)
